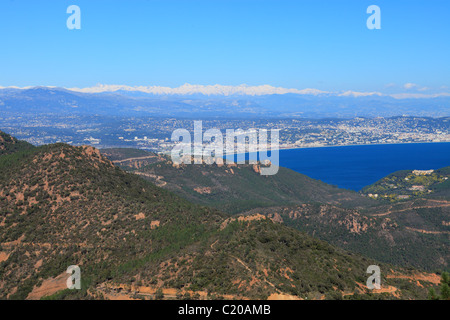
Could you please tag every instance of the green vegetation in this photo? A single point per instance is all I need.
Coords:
(444, 289)
(409, 184)
(9, 145)
(236, 189)
(340, 217)
(63, 205)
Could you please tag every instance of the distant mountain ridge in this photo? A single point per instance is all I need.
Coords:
(137, 103)
(242, 90)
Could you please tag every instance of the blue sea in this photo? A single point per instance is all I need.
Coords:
(354, 167)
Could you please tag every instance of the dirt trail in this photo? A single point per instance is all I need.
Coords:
(428, 277)
(125, 292)
(158, 179)
(133, 159)
(252, 273)
(212, 244)
(388, 289)
(362, 288)
(407, 209)
(245, 266)
(280, 296)
(427, 231)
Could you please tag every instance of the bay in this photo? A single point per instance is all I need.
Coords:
(354, 167)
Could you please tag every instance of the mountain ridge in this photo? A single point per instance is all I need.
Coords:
(53, 99)
(10, 144)
(342, 217)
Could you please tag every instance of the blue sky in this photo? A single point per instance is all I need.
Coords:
(294, 44)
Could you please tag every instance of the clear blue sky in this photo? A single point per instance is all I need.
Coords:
(296, 44)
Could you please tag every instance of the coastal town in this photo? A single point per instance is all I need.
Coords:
(155, 134)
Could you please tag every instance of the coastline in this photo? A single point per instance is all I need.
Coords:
(344, 145)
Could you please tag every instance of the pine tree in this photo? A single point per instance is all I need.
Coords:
(432, 294)
(445, 291)
(445, 286)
